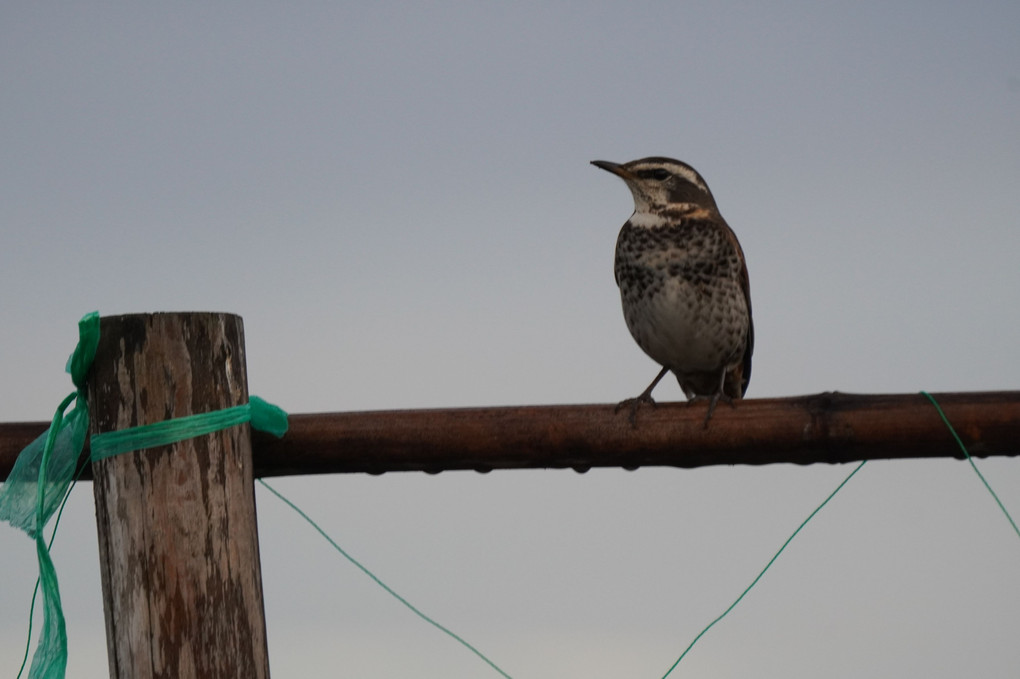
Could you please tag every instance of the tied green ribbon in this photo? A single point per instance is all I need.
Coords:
(36, 486)
(38, 483)
(263, 416)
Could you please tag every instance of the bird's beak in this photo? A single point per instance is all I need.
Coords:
(615, 168)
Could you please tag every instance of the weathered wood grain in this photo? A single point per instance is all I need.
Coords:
(177, 530)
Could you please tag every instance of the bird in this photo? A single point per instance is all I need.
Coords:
(683, 284)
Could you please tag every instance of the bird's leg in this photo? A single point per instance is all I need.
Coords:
(718, 395)
(644, 397)
(715, 398)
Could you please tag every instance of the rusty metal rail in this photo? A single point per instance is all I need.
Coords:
(830, 427)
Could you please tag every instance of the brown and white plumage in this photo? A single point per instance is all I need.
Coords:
(683, 282)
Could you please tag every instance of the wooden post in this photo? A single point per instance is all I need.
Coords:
(178, 542)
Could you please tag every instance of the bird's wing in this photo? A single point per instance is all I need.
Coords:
(745, 287)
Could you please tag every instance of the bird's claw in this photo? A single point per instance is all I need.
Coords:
(712, 401)
(633, 404)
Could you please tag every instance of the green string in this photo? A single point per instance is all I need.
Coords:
(767, 566)
(382, 584)
(973, 466)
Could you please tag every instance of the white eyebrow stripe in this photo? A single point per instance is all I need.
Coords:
(684, 171)
(691, 176)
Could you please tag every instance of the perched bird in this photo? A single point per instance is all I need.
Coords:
(683, 283)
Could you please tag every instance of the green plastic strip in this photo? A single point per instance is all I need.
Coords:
(35, 590)
(263, 416)
(36, 488)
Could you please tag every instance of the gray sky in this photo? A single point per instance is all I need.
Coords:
(398, 202)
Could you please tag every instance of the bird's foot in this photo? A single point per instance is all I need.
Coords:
(712, 401)
(633, 404)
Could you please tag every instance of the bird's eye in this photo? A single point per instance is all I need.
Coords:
(659, 175)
